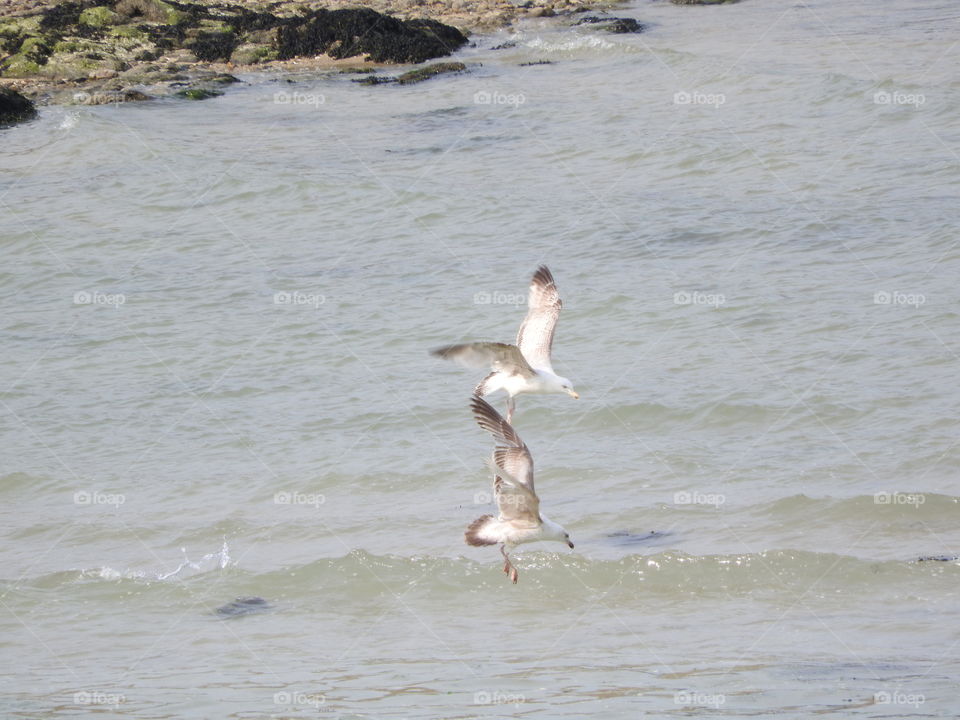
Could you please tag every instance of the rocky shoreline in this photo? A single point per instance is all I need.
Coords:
(105, 51)
(95, 51)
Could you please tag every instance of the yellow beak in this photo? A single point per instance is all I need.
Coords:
(573, 394)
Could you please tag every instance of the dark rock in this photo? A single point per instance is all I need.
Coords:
(504, 46)
(537, 62)
(14, 107)
(938, 558)
(374, 80)
(213, 46)
(61, 16)
(612, 24)
(362, 31)
(244, 606)
(703, 2)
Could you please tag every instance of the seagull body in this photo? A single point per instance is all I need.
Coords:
(519, 520)
(526, 366)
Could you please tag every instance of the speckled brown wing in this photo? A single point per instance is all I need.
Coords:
(535, 337)
(513, 466)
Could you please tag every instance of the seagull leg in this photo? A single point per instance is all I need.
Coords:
(511, 406)
(508, 567)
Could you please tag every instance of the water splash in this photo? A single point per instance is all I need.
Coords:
(218, 560)
(221, 558)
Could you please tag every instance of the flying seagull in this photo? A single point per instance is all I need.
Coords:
(524, 367)
(520, 520)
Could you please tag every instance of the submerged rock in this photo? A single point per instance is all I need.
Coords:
(198, 93)
(625, 537)
(375, 80)
(429, 71)
(14, 107)
(244, 606)
(414, 76)
(703, 2)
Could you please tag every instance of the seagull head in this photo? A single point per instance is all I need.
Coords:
(565, 386)
(555, 531)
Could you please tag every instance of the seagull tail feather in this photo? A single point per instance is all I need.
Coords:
(474, 534)
(485, 387)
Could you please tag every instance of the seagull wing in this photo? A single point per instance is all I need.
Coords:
(535, 337)
(513, 465)
(497, 356)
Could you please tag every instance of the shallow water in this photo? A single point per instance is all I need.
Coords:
(216, 385)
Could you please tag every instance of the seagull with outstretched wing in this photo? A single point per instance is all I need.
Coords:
(525, 367)
(519, 520)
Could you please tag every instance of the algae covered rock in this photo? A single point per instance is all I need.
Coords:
(198, 93)
(381, 38)
(14, 107)
(428, 71)
(156, 11)
(412, 76)
(98, 16)
(251, 54)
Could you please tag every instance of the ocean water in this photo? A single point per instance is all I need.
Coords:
(216, 387)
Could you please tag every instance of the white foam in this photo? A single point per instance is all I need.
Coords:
(579, 42)
(70, 120)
